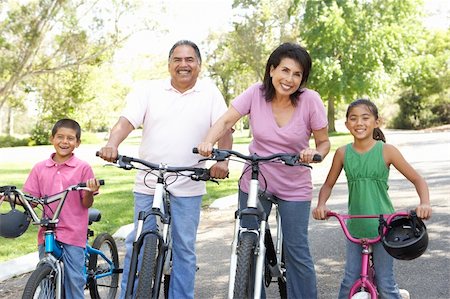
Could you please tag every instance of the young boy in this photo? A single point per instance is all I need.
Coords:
(53, 175)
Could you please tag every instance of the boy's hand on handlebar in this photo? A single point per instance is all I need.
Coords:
(320, 212)
(108, 153)
(423, 211)
(205, 149)
(93, 185)
(219, 170)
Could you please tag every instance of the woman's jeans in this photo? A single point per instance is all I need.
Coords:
(185, 212)
(300, 272)
(384, 271)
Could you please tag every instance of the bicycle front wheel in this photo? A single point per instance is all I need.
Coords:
(105, 286)
(148, 267)
(245, 266)
(282, 280)
(41, 284)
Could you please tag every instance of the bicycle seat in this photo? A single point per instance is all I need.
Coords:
(94, 215)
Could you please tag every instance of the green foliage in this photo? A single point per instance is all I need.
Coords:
(10, 141)
(425, 84)
(356, 46)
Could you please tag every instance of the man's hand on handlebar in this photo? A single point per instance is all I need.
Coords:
(108, 153)
(205, 149)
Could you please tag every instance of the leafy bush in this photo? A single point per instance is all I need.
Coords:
(9, 141)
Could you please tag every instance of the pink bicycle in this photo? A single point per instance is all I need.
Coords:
(404, 236)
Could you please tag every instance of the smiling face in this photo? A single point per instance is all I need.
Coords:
(184, 68)
(286, 77)
(361, 122)
(64, 141)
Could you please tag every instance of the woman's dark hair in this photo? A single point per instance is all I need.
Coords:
(185, 42)
(286, 50)
(377, 133)
(68, 124)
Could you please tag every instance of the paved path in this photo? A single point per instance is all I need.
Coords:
(426, 277)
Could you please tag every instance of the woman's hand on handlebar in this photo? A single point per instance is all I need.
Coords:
(320, 212)
(205, 149)
(108, 153)
(219, 170)
(310, 155)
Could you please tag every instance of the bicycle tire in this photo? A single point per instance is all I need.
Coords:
(166, 286)
(105, 287)
(148, 267)
(41, 284)
(282, 280)
(245, 266)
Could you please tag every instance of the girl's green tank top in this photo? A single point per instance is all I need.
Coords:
(367, 176)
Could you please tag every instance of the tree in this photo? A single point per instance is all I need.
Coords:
(58, 40)
(356, 46)
(425, 84)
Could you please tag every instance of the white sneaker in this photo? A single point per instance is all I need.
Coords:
(404, 294)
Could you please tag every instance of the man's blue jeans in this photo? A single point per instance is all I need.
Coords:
(185, 213)
(300, 272)
(384, 271)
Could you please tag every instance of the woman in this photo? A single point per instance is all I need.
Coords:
(283, 115)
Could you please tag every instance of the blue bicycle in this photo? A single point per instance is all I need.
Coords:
(101, 258)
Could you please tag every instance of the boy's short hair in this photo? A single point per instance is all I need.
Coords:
(69, 124)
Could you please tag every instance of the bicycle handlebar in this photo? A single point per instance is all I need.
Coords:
(198, 174)
(290, 159)
(342, 217)
(29, 201)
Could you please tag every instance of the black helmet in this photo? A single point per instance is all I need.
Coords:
(406, 237)
(13, 223)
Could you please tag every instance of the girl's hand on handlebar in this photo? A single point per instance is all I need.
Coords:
(423, 211)
(108, 153)
(205, 149)
(320, 212)
(309, 155)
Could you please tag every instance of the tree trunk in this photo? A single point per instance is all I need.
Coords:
(331, 125)
(10, 122)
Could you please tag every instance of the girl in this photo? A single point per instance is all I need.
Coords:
(366, 162)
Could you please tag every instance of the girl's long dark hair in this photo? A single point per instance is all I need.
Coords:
(377, 133)
(287, 50)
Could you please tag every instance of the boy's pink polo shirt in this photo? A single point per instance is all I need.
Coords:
(47, 178)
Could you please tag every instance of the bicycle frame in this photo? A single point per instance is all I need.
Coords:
(365, 282)
(254, 210)
(53, 249)
(161, 210)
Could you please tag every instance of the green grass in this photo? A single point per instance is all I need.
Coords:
(115, 199)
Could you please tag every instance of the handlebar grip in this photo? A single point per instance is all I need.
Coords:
(317, 158)
(195, 150)
(101, 182)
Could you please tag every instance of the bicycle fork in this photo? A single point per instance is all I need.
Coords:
(252, 210)
(365, 281)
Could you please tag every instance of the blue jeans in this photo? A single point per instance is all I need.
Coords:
(384, 271)
(300, 272)
(74, 279)
(185, 213)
